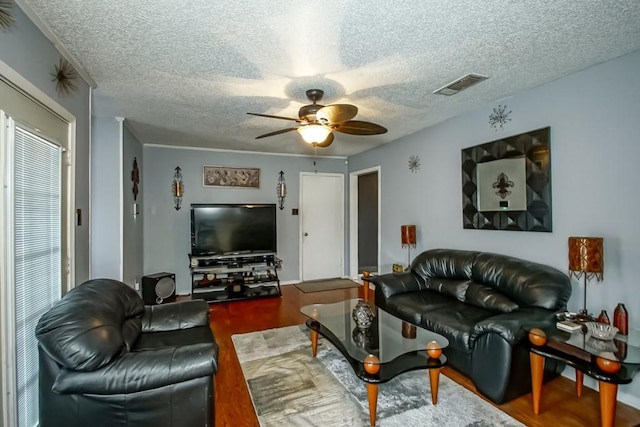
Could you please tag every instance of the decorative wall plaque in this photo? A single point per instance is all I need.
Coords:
(219, 176)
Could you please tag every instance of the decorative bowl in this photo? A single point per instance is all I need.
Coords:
(601, 331)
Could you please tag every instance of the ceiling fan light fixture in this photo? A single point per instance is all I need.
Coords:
(314, 133)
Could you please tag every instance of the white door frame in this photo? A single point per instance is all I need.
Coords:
(301, 225)
(7, 330)
(353, 217)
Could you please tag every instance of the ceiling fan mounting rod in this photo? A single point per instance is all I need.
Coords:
(315, 95)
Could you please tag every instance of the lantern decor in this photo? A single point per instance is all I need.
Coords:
(177, 189)
(585, 260)
(408, 235)
(281, 190)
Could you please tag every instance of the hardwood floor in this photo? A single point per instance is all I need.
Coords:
(233, 406)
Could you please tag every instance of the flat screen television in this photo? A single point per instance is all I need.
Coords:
(230, 229)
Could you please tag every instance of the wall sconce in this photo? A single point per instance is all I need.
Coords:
(177, 189)
(585, 259)
(281, 190)
(408, 235)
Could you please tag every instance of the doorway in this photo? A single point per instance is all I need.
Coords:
(321, 226)
(364, 221)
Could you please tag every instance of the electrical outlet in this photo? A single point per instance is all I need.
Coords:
(136, 285)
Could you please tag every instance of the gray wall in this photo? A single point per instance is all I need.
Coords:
(116, 253)
(132, 238)
(167, 231)
(594, 123)
(105, 204)
(33, 56)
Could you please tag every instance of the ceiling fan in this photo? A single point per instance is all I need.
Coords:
(316, 122)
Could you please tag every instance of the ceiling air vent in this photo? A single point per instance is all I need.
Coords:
(460, 84)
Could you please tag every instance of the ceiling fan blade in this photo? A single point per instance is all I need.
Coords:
(277, 132)
(327, 142)
(357, 127)
(275, 117)
(336, 113)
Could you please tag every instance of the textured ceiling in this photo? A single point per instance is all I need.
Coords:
(186, 72)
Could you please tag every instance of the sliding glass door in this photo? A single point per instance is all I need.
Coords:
(34, 256)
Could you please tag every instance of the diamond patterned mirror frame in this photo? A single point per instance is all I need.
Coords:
(534, 147)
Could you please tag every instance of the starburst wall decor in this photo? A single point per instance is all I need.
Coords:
(499, 117)
(414, 163)
(65, 77)
(6, 18)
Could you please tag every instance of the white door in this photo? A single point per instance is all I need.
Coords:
(322, 226)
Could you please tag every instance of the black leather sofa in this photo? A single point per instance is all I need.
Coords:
(482, 303)
(108, 360)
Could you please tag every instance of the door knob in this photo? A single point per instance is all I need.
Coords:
(306, 234)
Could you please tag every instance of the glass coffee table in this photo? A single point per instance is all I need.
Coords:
(380, 351)
(611, 362)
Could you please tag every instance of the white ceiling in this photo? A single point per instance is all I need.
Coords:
(186, 72)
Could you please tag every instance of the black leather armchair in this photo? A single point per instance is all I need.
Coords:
(106, 359)
(482, 303)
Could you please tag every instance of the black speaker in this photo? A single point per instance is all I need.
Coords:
(159, 288)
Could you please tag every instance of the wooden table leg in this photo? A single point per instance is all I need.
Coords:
(314, 342)
(608, 396)
(537, 373)
(365, 285)
(579, 382)
(372, 395)
(434, 377)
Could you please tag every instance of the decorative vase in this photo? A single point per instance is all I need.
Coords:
(603, 318)
(621, 319)
(362, 314)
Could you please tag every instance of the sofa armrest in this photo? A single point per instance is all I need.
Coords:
(391, 284)
(173, 316)
(142, 370)
(512, 326)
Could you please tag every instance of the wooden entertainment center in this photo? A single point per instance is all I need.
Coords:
(234, 277)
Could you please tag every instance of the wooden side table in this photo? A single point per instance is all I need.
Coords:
(610, 362)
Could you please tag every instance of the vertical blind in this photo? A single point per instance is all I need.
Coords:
(38, 255)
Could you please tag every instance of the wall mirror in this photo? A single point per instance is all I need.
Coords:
(506, 184)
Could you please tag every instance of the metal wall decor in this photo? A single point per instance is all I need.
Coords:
(219, 176)
(533, 149)
(6, 17)
(135, 178)
(502, 184)
(499, 117)
(177, 188)
(281, 190)
(65, 77)
(414, 163)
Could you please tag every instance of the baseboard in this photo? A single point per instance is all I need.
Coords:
(626, 398)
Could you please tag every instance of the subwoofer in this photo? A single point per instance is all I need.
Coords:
(159, 288)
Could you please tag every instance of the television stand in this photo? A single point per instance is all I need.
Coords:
(221, 278)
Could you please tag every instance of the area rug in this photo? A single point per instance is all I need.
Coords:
(289, 387)
(326, 285)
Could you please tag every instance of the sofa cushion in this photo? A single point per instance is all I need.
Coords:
(455, 288)
(489, 298)
(455, 321)
(524, 282)
(409, 306)
(444, 263)
(86, 329)
(185, 337)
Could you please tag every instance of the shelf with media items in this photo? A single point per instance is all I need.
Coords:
(234, 277)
